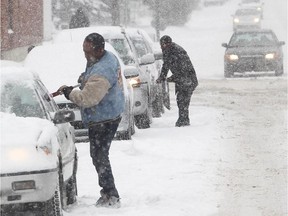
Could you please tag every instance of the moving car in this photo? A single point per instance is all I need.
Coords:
(257, 4)
(253, 50)
(38, 153)
(245, 18)
(66, 62)
(144, 91)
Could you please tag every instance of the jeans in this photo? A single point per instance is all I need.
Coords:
(101, 136)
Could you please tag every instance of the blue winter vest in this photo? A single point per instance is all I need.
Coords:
(112, 105)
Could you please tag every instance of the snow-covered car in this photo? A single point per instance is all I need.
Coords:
(117, 37)
(253, 50)
(66, 62)
(38, 153)
(246, 18)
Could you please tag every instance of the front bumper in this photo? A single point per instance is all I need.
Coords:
(252, 63)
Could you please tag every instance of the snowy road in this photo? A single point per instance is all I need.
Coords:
(232, 160)
(252, 151)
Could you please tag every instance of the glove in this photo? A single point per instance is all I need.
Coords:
(66, 90)
(170, 79)
(160, 79)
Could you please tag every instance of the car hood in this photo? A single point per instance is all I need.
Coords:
(251, 50)
(22, 140)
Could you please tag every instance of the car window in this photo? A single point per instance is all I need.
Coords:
(246, 12)
(140, 46)
(21, 99)
(49, 104)
(255, 39)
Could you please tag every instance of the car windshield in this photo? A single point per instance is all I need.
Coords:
(253, 39)
(246, 12)
(122, 48)
(250, 1)
(21, 99)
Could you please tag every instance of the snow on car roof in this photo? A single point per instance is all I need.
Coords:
(16, 73)
(61, 64)
(79, 34)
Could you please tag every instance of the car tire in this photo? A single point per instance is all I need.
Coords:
(62, 187)
(227, 73)
(71, 186)
(279, 71)
(142, 121)
(53, 206)
(126, 135)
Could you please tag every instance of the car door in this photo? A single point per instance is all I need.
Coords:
(65, 137)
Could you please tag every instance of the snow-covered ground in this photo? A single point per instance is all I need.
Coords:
(231, 161)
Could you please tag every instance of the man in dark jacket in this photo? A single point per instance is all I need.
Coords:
(79, 19)
(101, 100)
(176, 59)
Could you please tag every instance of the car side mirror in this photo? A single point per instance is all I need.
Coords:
(147, 59)
(130, 72)
(281, 43)
(224, 45)
(63, 116)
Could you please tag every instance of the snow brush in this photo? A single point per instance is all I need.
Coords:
(54, 94)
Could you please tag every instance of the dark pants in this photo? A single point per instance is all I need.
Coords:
(101, 136)
(183, 98)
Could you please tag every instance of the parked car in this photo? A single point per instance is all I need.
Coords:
(245, 18)
(38, 153)
(144, 95)
(66, 62)
(144, 47)
(253, 50)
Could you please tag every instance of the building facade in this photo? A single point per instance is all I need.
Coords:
(22, 25)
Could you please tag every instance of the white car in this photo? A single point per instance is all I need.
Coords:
(66, 62)
(246, 18)
(144, 92)
(38, 153)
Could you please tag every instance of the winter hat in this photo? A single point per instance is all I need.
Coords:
(165, 39)
(96, 39)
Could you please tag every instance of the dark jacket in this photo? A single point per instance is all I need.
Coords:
(176, 59)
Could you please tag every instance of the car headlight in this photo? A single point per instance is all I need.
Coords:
(259, 8)
(232, 57)
(18, 154)
(135, 82)
(256, 20)
(270, 56)
(236, 20)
